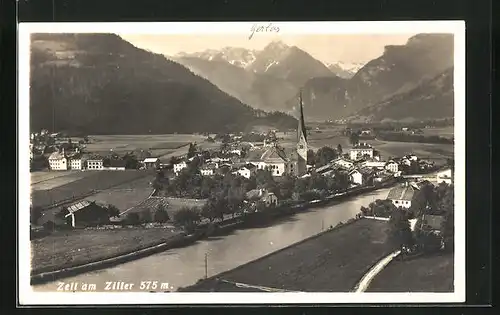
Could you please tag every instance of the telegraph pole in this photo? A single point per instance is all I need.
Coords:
(206, 265)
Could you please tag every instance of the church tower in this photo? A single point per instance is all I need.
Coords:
(301, 141)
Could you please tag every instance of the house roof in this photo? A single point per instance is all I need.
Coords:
(401, 192)
(78, 206)
(362, 146)
(433, 221)
(117, 163)
(324, 168)
(151, 160)
(209, 166)
(274, 153)
(57, 156)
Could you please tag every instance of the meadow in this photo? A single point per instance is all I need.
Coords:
(64, 249)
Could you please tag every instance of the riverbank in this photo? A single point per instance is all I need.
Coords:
(332, 261)
(124, 247)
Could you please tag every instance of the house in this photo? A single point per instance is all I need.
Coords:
(76, 163)
(402, 195)
(95, 163)
(374, 164)
(344, 163)
(360, 150)
(58, 161)
(116, 165)
(179, 166)
(246, 171)
(445, 176)
(262, 195)
(356, 177)
(208, 169)
(432, 223)
(392, 166)
(151, 162)
(278, 162)
(86, 213)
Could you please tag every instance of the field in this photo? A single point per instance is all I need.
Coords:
(55, 179)
(71, 248)
(445, 132)
(331, 262)
(172, 204)
(95, 181)
(333, 137)
(421, 274)
(127, 195)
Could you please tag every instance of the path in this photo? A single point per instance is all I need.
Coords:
(362, 286)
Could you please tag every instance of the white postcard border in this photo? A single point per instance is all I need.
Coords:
(29, 297)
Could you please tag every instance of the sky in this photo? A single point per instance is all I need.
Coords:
(349, 48)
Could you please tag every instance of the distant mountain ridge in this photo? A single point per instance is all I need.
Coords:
(101, 84)
(332, 91)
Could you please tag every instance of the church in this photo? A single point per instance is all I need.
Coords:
(281, 162)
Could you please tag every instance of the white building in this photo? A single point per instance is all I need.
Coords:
(244, 172)
(343, 163)
(179, 166)
(445, 176)
(356, 177)
(95, 164)
(374, 164)
(358, 151)
(76, 163)
(208, 170)
(402, 195)
(58, 161)
(392, 166)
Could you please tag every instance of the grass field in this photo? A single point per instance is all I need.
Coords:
(76, 247)
(59, 179)
(422, 274)
(445, 132)
(331, 262)
(100, 180)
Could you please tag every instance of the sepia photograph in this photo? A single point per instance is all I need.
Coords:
(241, 162)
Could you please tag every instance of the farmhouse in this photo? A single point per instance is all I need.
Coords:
(95, 163)
(344, 163)
(151, 162)
(208, 169)
(246, 171)
(445, 176)
(392, 166)
(402, 195)
(179, 166)
(262, 195)
(86, 213)
(360, 150)
(58, 161)
(116, 165)
(356, 177)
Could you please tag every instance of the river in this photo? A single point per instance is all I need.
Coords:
(184, 266)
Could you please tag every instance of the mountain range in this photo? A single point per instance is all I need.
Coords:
(102, 84)
(270, 79)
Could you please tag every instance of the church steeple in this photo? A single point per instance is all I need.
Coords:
(301, 140)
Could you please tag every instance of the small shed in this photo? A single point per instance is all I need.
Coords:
(86, 213)
(151, 162)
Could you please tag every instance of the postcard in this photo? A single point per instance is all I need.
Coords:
(241, 163)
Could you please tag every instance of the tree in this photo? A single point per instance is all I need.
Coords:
(35, 214)
(161, 214)
(339, 149)
(446, 205)
(286, 187)
(86, 139)
(325, 155)
(192, 150)
(399, 232)
(132, 218)
(113, 211)
(354, 138)
(187, 217)
(263, 178)
(311, 157)
(146, 216)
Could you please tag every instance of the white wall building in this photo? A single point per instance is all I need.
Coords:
(58, 161)
(76, 164)
(343, 163)
(356, 177)
(358, 151)
(392, 166)
(374, 164)
(179, 166)
(95, 164)
(445, 176)
(244, 172)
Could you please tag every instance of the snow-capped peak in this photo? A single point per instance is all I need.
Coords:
(346, 66)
